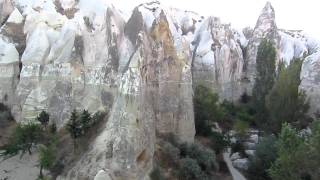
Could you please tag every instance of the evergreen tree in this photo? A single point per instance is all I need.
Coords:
(285, 103)
(85, 120)
(43, 118)
(74, 127)
(291, 151)
(265, 66)
(206, 109)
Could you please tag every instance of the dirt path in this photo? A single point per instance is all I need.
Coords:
(234, 172)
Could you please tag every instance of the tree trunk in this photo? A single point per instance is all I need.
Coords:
(29, 150)
(41, 175)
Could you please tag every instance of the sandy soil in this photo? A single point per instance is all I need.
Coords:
(15, 168)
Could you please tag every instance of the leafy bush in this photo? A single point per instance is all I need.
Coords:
(190, 170)
(171, 152)
(265, 155)
(241, 128)
(298, 156)
(205, 157)
(291, 151)
(23, 138)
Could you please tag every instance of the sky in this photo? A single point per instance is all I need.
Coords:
(290, 14)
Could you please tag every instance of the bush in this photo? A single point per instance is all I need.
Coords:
(23, 138)
(241, 128)
(156, 174)
(265, 155)
(218, 142)
(171, 152)
(298, 157)
(190, 170)
(291, 152)
(205, 157)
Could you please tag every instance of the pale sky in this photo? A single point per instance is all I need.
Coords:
(290, 14)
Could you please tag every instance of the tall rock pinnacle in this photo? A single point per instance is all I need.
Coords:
(265, 28)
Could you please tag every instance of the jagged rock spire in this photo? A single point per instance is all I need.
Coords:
(266, 19)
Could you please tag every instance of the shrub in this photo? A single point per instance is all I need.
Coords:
(171, 152)
(23, 138)
(298, 156)
(205, 157)
(287, 165)
(190, 170)
(85, 121)
(241, 128)
(265, 155)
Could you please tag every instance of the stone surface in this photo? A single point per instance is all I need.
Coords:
(217, 59)
(242, 164)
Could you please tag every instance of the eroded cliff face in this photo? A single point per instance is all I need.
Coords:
(57, 55)
(218, 60)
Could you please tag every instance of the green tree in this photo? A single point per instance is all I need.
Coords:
(266, 73)
(206, 109)
(43, 118)
(285, 102)
(291, 152)
(265, 155)
(74, 127)
(23, 138)
(47, 157)
(85, 121)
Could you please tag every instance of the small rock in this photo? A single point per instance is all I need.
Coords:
(254, 138)
(235, 156)
(250, 153)
(250, 146)
(242, 164)
(102, 175)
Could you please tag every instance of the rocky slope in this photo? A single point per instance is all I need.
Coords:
(57, 55)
